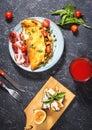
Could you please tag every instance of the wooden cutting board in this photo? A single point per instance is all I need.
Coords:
(36, 103)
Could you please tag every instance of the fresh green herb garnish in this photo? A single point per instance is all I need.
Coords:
(40, 51)
(32, 30)
(43, 63)
(68, 17)
(32, 46)
(54, 35)
(29, 33)
(40, 36)
(48, 29)
(56, 96)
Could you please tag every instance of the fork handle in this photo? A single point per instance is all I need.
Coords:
(16, 85)
(2, 73)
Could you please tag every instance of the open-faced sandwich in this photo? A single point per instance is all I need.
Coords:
(48, 105)
(33, 46)
(53, 99)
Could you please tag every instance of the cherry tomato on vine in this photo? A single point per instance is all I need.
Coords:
(78, 14)
(46, 23)
(8, 15)
(74, 28)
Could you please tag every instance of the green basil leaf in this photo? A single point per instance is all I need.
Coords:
(58, 12)
(63, 19)
(67, 14)
(62, 13)
(58, 96)
(69, 9)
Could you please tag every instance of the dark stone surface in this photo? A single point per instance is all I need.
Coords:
(78, 116)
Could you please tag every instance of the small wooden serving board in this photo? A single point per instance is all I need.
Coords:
(36, 103)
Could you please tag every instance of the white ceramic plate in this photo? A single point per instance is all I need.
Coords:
(58, 46)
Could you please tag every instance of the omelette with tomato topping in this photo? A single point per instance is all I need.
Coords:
(39, 42)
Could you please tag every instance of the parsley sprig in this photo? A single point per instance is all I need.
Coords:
(67, 16)
(56, 96)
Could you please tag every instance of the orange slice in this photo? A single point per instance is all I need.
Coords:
(39, 116)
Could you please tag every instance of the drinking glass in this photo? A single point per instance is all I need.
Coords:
(81, 69)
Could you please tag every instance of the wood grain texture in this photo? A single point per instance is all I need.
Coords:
(36, 103)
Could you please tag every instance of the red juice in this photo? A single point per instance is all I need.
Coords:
(81, 69)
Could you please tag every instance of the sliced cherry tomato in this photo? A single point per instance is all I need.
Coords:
(48, 48)
(15, 47)
(74, 28)
(46, 23)
(44, 33)
(78, 14)
(24, 48)
(8, 15)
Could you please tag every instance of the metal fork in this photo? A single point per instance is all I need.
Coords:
(12, 92)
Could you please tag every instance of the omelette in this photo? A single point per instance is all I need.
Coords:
(35, 42)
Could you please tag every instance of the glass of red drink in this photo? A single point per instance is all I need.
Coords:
(81, 69)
